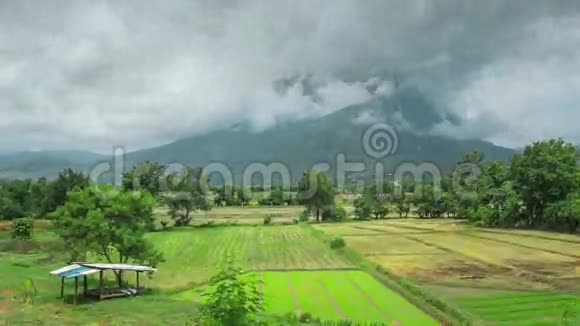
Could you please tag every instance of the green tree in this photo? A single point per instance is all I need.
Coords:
(225, 196)
(66, 181)
(22, 228)
(565, 213)
(474, 157)
(403, 206)
(10, 210)
(20, 198)
(108, 223)
(374, 201)
(543, 174)
(334, 213)
(15, 199)
(449, 203)
(244, 196)
(232, 298)
(363, 207)
(38, 195)
(315, 192)
(191, 195)
(149, 176)
(429, 205)
(277, 196)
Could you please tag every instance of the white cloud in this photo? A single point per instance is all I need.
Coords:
(91, 75)
(530, 94)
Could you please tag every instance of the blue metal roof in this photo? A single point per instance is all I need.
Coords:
(74, 270)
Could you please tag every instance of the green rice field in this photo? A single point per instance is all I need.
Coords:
(521, 308)
(332, 296)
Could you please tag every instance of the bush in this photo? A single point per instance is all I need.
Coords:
(304, 216)
(267, 219)
(334, 214)
(10, 210)
(231, 298)
(22, 228)
(337, 243)
(305, 317)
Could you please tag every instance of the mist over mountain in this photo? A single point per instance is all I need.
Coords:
(298, 144)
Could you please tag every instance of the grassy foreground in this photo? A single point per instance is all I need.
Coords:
(300, 273)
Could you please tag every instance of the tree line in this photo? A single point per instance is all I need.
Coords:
(537, 188)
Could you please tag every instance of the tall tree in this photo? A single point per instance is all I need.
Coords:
(192, 194)
(315, 192)
(66, 181)
(543, 174)
(374, 201)
(243, 196)
(147, 176)
(565, 213)
(111, 226)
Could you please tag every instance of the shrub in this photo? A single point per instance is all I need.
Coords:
(267, 219)
(334, 214)
(337, 243)
(231, 299)
(305, 317)
(304, 216)
(164, 225)
(10, 210)
(22, 228)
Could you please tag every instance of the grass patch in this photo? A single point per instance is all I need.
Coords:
(332, 296)
(193, 255)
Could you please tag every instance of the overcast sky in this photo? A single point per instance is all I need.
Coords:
(95, 74)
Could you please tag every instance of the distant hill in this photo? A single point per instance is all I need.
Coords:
(298, 145)
(46, 163)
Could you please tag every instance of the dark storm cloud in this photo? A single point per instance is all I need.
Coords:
(93, 74)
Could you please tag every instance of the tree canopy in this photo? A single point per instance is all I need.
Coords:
(192, 194)
(111, 225)
(315, 192)
(149, 176)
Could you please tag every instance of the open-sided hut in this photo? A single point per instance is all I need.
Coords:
(78, 270)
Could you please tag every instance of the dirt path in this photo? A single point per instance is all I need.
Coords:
(330, 297)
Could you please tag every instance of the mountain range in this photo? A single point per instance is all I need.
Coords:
(298, 145)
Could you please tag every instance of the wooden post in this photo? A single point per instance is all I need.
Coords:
(137, 281)
(84, 285)
(62, 287)
(120, 279)
(101, 284)
(76, 289)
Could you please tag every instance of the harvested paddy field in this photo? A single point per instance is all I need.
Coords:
(239, 215)
(454, 260)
